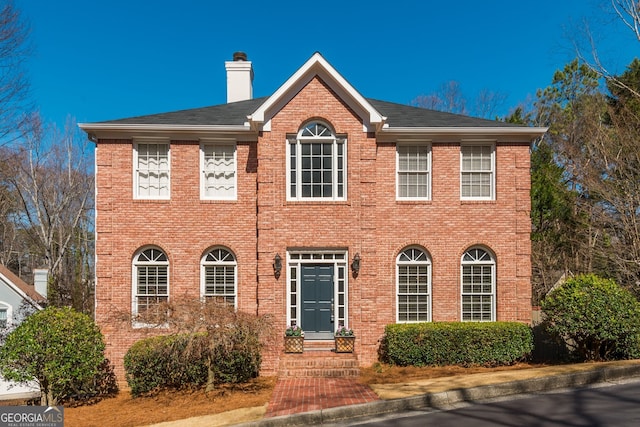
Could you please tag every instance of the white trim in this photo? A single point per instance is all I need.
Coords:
(136, 184)
(414, 143)
(493, 293)
(429, 265)
(9, 309)
(134, 283)
(342, 262)
(492, 173)
(19, 291)
(522, 132)
(233, 263)
(336, 141)
(316, 66)
(205, 142)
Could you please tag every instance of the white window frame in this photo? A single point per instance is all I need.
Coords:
(206, 144)
(300, 139)
(423, 260)
(136, 171)
(492, 172)
(472, 258)
(145, 263)
(426, 145)
(229, 260)
(8, 309)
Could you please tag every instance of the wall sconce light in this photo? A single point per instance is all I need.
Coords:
(355, 265)
(277, 265)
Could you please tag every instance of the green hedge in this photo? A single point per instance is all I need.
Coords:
(456, 343)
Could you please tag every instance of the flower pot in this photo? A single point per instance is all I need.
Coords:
(345, 344)
(293, 344)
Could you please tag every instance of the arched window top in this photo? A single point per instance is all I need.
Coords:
(315, 130)
(154, 255)
(219, 255)
(479, 255)
(413, 255)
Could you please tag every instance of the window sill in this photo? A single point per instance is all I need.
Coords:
(317, 202)
(478, 202)
(152, 201)
(218, 201)
(413, 202)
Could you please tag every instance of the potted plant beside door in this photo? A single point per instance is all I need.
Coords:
(345, 340)
(293, 339)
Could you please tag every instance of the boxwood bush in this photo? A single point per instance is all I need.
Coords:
(456, 343)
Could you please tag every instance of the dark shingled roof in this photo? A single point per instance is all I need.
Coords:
(235, 114)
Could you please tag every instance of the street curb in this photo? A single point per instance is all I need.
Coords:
(445, 399)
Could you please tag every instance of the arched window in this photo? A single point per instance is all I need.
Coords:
(151, 284)
(218, 278)
(317, 164)
(413, 281)
(478, 285)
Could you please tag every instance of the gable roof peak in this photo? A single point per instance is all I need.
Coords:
(316, 65)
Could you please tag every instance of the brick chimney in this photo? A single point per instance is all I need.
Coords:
(239, 78)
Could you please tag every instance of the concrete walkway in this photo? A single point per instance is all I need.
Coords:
(434, 393)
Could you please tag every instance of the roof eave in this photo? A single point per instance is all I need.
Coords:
(520, 132)
(107, 130)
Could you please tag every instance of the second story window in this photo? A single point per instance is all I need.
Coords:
(477, 172)
(151, 174)
(219, 171)
(317, 164)
(413, 171)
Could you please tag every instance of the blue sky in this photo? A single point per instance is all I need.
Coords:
(106, 59)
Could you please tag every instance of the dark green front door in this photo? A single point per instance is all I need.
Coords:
(317, 301)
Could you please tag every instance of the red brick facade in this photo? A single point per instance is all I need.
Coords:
(262, 223)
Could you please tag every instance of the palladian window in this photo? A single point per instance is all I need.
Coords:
(317, 164)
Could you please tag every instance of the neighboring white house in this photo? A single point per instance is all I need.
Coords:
(16, 299)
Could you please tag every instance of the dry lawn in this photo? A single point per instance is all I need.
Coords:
(125, 411)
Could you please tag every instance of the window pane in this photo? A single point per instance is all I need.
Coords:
(413, 280)
(219, 171)
(321, 164)
(153, 170)
(413, 171)
(220, 276)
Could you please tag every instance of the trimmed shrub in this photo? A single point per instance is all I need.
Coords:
(456, 343)
(168, 361)
(595, 317)
(60, 348)
(182, 361)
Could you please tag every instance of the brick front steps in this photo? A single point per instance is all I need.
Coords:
(318, 361)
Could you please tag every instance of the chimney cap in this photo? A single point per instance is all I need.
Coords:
(239, 56)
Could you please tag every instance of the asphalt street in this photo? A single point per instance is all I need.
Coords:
(608, 404)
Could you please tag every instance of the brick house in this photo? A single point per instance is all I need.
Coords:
(316, 205)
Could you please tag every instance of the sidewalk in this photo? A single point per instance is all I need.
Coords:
(433, 393)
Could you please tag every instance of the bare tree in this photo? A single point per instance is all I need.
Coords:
(586, 44)
(14, 85)
(449, 98)
(50, 174)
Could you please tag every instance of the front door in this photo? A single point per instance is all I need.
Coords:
(317, 301)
